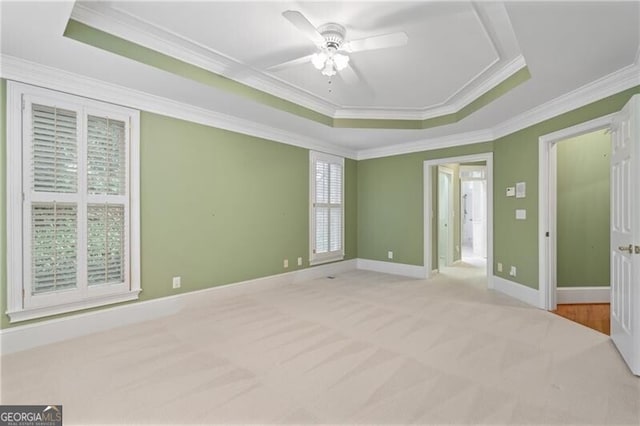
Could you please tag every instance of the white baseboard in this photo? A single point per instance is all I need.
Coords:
(518, 291)
(583, 295)
(403, 269)
(23, 337)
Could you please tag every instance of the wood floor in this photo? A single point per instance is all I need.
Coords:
(592, 315)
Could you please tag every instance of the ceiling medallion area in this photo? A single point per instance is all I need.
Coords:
(328, 60)
(329, 38)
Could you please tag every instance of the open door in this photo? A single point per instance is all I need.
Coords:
(625, 233)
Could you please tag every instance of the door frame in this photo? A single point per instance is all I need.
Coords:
(428, 214)
(450, 215)
(547, 209)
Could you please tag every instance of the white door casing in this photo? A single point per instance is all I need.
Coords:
(445, 219)
(625, 233)
(430, 216)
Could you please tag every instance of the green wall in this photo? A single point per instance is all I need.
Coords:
(216, 207)
(390, 195)
(390, 203)
(583, 210)
(515, 160)
(219, 207)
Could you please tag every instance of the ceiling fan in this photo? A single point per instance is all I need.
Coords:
(332, 55)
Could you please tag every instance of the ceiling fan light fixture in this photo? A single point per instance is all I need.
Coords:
(318, 60)
(340, 61)
(329, 68)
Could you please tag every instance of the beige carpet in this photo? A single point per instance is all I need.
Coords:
(361, 348)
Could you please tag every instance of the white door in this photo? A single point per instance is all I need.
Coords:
(625, 233)
(445, 228)
(479, 218)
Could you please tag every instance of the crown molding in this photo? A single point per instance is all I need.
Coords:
(427, 144)
(121, 24)
(110, 19)
(445, 108)
(18, 69)
(609, 85)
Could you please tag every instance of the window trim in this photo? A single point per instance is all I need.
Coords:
(16, 94)
(316, 259)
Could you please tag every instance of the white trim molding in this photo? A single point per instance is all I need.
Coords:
(584, 295)
(506, 60)
(516, 290)
(403, 269)
(23, 337)
(547, 268)
(429, 214)
(20, 70)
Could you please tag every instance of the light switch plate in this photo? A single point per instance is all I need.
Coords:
(521, 189)
(511, 191)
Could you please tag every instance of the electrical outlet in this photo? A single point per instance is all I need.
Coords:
(286, 263)
(176, 282)
(390, 254)
(512, 272)
(299, 261)
(499, 267)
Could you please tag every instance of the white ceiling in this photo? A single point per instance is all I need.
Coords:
(565, 45)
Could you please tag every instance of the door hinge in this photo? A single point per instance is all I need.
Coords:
(546, 234)
(637, 249)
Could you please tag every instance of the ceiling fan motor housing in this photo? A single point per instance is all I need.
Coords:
(333, 34)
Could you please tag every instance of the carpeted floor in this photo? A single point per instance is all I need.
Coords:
(363, 347)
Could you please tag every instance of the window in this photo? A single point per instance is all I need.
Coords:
(327, 212)
(72, 203)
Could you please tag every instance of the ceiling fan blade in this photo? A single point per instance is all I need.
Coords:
(377, 42)
(303, 24)
(290, 63)
(356, 83)
(349, 75)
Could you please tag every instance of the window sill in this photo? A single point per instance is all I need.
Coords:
(320, 261)
(41, 312)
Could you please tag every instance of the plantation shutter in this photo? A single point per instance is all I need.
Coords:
(54, 177)
(106, 183)
(54, 247)
(55, 149)
(327, 207)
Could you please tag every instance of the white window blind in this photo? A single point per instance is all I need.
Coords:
(75, 181)
(327, 230)
(54, 247)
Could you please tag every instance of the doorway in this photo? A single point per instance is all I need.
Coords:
(431, 211)
(576, 292)
(473, 213)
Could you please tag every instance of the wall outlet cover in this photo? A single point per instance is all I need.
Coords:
(521, 214)
(390, 254)
(299, 261)
(511, 191)
(286, 263)
(176, 282)
(512, 272)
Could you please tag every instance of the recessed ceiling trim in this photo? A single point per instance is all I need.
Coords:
(108, 18)
(612, 84)
(504, 73)
(27, 72)
(132, 28)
